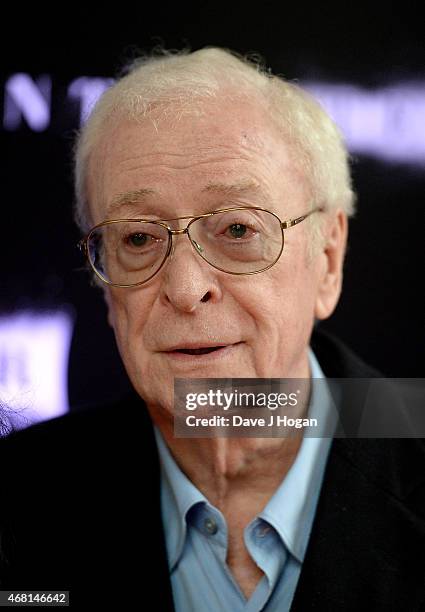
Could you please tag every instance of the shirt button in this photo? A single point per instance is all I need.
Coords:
(210, 526)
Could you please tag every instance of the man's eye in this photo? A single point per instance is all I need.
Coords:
(138, 240)
(237, 230)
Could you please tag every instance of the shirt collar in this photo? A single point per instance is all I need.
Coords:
(292, 507)
(178, 496)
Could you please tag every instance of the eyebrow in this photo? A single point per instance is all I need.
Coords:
(139, 196)
(239, 188)
(129, 197)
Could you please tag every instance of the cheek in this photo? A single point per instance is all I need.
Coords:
(284, 304)
(128, 314)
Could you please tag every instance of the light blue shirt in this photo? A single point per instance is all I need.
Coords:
(196, 532)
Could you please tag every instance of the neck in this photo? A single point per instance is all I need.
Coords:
(229, 469)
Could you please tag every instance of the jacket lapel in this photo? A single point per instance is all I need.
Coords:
(364, 538)
(370, 520)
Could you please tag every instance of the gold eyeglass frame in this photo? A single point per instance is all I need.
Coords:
(83, 243)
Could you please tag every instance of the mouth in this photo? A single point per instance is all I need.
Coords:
(198, 351)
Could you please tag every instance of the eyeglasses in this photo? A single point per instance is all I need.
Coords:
(239, 240)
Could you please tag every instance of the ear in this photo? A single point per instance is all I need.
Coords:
(331, 259)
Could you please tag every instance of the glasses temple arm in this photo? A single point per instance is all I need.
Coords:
(291, 222)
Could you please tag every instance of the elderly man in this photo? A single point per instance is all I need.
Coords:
(213, 199)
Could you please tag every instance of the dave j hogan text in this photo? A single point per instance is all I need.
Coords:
(236, 420)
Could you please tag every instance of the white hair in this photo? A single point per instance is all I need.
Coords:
(168, 84)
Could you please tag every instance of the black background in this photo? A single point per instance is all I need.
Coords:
(381, 313)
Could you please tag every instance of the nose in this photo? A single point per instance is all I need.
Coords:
(188, 281)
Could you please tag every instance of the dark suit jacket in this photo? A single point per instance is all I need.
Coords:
(80, 510)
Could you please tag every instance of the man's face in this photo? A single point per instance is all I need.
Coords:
(262, 322)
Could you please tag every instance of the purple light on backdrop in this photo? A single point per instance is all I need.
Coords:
(29, 99)
(34, 351)
(388, 123)
(88, 90)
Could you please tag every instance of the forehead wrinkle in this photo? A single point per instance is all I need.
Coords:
(214, 154)
(186, 164)
(229, 148)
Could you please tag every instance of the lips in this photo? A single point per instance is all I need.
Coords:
(198, 351)
(194, 354)
(198, 348)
